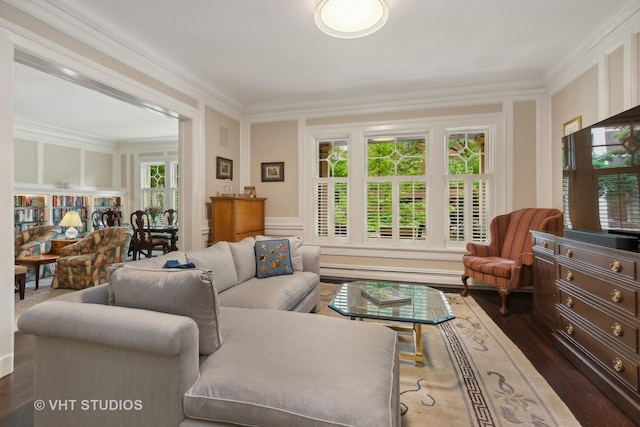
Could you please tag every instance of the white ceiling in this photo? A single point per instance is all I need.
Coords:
(268, 55)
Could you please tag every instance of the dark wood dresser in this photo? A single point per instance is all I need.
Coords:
(596, 316)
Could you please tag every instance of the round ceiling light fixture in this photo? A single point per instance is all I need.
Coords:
(349, 19)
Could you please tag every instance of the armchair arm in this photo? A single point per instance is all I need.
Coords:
(478, 249)
(81, 247)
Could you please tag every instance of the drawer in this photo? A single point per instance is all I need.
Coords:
(613, 263)
(623, 367)
(616, 295)
(622, 331)
(543, 243)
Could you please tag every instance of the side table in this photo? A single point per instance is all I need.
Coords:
(37, 261)
(57, 244)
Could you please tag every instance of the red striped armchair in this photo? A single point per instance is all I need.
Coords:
(506, 262)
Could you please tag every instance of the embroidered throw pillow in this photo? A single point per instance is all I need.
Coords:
(273, 258)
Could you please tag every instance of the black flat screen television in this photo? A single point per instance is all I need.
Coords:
(600, 179)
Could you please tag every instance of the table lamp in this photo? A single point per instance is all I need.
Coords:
(71, 220)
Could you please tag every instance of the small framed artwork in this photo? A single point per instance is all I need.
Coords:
(572, 125)
(250, 191)
(272, 172)
(224, 168)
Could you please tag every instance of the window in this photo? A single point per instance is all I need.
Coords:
(396, 188)
(411, 185)
(159, 184)
(468, 187)
(331, 189)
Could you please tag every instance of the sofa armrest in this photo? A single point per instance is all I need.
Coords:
(92, 295)
(91, 352)
(131, 329)
(311, 259)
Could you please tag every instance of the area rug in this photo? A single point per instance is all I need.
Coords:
(473, 375)
(33, 296)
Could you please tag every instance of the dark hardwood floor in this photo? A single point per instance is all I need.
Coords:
(588, 404)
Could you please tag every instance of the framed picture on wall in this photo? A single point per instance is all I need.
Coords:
(572, 125)
(272, 172)
(224, 168)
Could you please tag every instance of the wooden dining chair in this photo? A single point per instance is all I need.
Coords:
(111, 218)
(143, 242)
(171, 217)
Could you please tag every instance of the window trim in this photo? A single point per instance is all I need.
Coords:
(436, 128)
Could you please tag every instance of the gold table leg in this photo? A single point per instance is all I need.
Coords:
(417, 356)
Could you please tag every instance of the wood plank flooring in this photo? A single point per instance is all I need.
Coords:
(589, 405)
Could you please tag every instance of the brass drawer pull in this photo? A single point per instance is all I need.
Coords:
(616, 329)
(616, 295)
(570, 329)
(569, 302)
(615, 265)
(568, 252)
(545, 244)
(618, 366)
(569, 276)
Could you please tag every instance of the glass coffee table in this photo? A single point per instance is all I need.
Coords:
(426, 306)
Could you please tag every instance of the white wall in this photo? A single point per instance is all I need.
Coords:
(6, 215)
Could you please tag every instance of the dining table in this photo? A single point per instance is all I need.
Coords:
(171, 230)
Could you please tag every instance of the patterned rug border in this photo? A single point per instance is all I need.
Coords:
(506, 391)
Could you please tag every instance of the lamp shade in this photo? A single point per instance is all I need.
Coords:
(71, 220)
(351, 18)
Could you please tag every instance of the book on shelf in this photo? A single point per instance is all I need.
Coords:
(385, 297)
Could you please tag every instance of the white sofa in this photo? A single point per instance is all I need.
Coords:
(171, 353)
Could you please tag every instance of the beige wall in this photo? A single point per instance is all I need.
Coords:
(26, 157)
(276, 142)
(615, 63)
(98, 170)
(577, 99)
(222, 139)
(405, 115)
(524, 154)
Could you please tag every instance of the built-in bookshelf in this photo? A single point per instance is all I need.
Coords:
(63, 203)
(102, 204)
(29, 210)
(40, 209)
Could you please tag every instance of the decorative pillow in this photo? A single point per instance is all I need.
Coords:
(295, 248)
(244, 258)
(188, 293)
(219, 259)
(273, 258)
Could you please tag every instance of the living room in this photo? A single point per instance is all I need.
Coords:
(598, 79)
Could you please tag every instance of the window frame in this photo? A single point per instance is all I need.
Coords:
(436, 166)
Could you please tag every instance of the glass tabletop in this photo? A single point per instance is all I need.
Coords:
(425, 304)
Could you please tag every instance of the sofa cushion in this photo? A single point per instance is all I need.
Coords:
(267, 372)
(219, 259)
(188, 293)
(272, 258)
(244, 258)
(276, 293)
(295, 249)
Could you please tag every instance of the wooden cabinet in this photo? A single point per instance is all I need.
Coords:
(234, 218)
(544, 276)
(597, 318)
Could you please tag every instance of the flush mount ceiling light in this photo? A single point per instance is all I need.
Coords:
(351, 18)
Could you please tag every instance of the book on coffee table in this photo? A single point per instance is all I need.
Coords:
(385, 297)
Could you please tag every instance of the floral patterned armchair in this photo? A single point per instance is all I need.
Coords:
(84, 263)
(30, 241)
